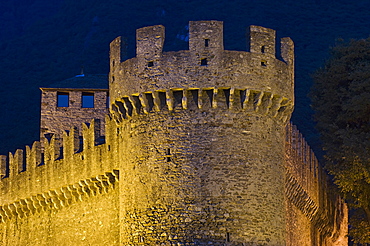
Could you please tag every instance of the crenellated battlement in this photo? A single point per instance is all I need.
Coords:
(308, 187)
(35, 175)
(80, 168)
(304, 176)
(302, 162)
(34, 172)
(205, 65)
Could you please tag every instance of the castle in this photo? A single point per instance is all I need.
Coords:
(197, 149)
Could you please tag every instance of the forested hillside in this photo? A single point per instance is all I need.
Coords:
(42, 42)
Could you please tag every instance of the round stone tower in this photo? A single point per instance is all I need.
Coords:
(201, 138)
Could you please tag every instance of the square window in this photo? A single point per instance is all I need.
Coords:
(203, 62)
(263, 49)
(87, 100)
(206, 42)
(107, 100)
(62, 99)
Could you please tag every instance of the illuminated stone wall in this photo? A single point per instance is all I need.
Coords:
(92, 221)
(191, 167)
(56, 119)
(195, 153)
(226, 101)
(315, 214)
(60, 198)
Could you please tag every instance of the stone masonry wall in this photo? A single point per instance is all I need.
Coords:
(195, 153)
(61, 198)
(76, 194)
(311, 219)
(41, 194)
(236, 98)
(56, 119)
(153, 70)
(194, 171)
(93, 220)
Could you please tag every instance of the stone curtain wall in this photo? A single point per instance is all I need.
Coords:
(64, 198)
(316, 215)
(88, 220)
(61, 196)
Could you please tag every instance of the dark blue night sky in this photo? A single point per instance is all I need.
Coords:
(45, 41)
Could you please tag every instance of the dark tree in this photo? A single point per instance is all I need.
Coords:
(341, 100)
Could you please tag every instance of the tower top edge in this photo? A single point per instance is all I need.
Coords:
(206, 36)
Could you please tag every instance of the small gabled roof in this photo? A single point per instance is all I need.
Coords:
(83, 81)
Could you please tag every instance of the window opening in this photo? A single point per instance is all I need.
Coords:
(150, 64)
(243, 97)
(62, 99)
(203, 62)
(115, 109)
(227, 236)
(263, 49)
(87, 100)
(107, 100)
(168, 155)
(263, 63)
(206, 42)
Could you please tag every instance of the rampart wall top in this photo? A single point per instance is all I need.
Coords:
(205, 65)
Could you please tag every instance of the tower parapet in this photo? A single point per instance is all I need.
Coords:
(205, 64)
